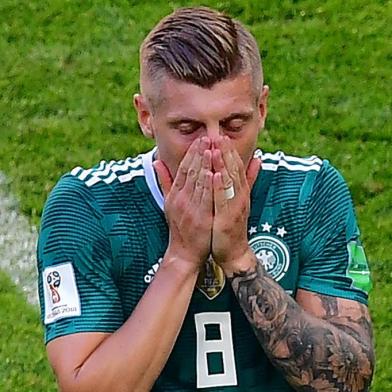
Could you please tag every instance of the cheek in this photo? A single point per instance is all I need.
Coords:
(171, 152)
(246, 147)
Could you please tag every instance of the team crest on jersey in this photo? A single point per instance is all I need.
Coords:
(273, 254)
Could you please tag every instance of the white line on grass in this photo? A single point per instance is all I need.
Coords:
(17, 244)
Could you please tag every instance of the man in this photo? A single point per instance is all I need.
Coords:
(204, 265)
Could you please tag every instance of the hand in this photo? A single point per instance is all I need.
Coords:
(189, 203)
(229, 233)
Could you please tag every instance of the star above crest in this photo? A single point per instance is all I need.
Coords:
(281, 231)
(252, 230)
(266, 227)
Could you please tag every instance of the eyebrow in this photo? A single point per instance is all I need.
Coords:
(242, 115)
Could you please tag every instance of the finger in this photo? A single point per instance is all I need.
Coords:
(229, 158)
(219, 166)
(205, 144)
(199, 186)
(164, 176)
(186, 162)
(240, 167)
(253, 171)
(195, 166)
(206, 202)
(227, 155)
(238, 171)
(220, 201)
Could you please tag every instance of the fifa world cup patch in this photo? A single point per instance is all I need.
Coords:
(211, 280)
(60, 293)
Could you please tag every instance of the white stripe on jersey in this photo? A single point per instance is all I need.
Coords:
(274, 167)
(289, 158)
(128, 177)
(79, 172)
(106, 172)
(110, 179)
(129, 163)
(82, 176)
(76, 170)
(92, 181)
(289, 162)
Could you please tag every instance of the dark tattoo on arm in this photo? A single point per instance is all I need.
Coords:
(331, 353)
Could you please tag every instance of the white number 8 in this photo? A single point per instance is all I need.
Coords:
(224, 346)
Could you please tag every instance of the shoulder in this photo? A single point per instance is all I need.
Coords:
(94, 189)
(281, 162)
(100, 182)
(111, 172)
(304, 175)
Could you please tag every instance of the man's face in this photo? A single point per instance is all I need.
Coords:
(185, 111)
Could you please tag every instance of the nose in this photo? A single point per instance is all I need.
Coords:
(213, 131)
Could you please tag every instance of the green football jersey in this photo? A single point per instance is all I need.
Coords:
(103, 235)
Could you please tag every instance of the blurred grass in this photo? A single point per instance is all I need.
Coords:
(68, 72)
(24, 366)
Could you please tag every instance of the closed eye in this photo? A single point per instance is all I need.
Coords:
(235, 124)
(185, 127)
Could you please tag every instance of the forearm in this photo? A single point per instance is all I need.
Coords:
(132, 358)
(311, 353)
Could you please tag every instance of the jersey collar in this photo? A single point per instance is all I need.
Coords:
(151, 177)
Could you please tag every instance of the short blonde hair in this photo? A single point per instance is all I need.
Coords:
(200, 46)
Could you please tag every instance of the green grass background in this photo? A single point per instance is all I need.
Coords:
(68, 70)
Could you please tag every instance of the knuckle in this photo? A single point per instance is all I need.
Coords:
(199, 183)
(235, 171)
(192, 173)
(183, 170)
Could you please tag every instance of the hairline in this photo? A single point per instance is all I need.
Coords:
(155, 84)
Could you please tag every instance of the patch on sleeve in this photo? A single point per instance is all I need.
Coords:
(60, 293)
(358, 269)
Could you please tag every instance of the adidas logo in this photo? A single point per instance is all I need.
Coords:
(148, 278)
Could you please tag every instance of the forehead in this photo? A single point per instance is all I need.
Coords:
(181, 99)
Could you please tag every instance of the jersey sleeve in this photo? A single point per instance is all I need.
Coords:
(332, 258)
(76, 280)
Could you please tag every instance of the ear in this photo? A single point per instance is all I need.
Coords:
(263, 105)
(143, 115)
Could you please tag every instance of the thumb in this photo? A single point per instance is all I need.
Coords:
(164, 176)
(252, 171)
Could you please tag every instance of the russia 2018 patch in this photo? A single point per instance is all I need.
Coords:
(60, 293)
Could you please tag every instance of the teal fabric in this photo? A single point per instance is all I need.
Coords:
(107, 222)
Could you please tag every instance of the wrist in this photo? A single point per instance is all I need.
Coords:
(182, 264)
(240, 264)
